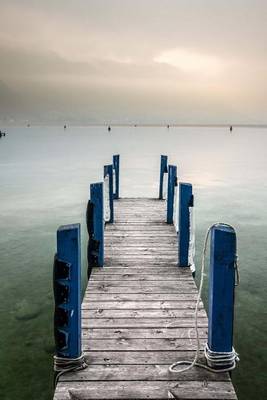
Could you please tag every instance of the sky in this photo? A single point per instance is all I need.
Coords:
(133, 61)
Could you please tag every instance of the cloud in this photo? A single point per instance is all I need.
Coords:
(152, 56)
(192, 62)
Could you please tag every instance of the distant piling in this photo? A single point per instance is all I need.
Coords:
(185, 202)
(95, 226)
(163, 170)
(108, 193)
(172, 183)
(116, 183)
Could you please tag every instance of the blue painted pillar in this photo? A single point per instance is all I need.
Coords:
(221, 288)
(67, 292)
(163, 170)
(172, 182)
(108, 171)
(95, 226)
(186, 200)
(116, 166)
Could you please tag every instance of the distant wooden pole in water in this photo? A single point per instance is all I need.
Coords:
(67, 292)
(221, 288)
(108, 171)
(163, 170)
(116, 166)
(185, 201)
(172, 182)
(95, 226)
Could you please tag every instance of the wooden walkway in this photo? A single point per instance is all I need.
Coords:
(137, 316)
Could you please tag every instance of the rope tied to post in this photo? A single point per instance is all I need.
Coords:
(217, 362)
(63, 365)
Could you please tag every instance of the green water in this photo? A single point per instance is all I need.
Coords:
(45, 175)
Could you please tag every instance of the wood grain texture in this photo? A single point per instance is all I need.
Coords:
(138, 317)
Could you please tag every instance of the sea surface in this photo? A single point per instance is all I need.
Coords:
(45, 175)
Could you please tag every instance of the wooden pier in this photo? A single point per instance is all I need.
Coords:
(138, 317)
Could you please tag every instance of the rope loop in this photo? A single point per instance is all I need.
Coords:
(63, 365)
(221, 361)
(226, 361)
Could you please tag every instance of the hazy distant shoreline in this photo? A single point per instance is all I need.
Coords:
(138, 125)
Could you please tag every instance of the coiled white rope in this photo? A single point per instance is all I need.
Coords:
(63, 365)
(176, 208)
(192, 246)
(106, 199)
(165, 186)
(214, 359)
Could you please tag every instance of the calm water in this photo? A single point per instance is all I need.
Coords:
(45, 175)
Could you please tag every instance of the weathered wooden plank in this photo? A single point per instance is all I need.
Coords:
(113, 262)
(140, 234)
(144, 257)
(153, 390)
(142, 344)
(137, 332)
(140, 272)
(140, 357)
(139, 305)
(142, 322)
(139, 287)
(153, 270)
(100, 297)
(142, 229)
(160, 249)
(133, 251)
(158, 372)
(156, 218)
(181, 313)
(137, 277)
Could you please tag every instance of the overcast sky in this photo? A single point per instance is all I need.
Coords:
(181, 61)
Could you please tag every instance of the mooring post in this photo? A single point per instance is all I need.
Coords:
(67, 292)
(95, 226)
(163, 170)
(186, 200)
(172, 182)
(221, 288)
(108, 172)
(116, 167)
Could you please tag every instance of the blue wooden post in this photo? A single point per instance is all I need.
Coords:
(67, 292)
(116, 166)
(163, 170)
(172, 182)
(108, 171)
(95, 226)
(221, 288)
(186, 200)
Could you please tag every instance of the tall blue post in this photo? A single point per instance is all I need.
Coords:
(221, 288)
(186, 200)
(67, 292)
(95, 226)
(108, 171)
(172, 182)
(163, 170)
(116, 166)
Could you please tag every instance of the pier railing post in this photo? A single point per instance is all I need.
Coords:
(95, 226)
(186, 200)
(116, 167)
(172, 182)
(163, 170)
(67, 292)
(108, 174)
(221, 289)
